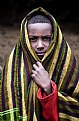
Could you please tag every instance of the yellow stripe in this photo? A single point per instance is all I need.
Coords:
(70, 118)
(34, 117)
(65, 67)
(67, 98)
(22, 83)
(76, 91)
(52, 66)
(9, 84)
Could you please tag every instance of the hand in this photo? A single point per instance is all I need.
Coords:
(41, 77)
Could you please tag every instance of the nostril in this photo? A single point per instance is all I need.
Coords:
(40, 47)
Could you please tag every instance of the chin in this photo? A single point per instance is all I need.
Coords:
(40, 56)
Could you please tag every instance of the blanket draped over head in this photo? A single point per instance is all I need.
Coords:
(18, 98)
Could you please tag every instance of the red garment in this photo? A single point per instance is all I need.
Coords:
(49, 103)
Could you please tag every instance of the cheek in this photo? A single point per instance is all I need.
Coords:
(47, 44)
(33, 44)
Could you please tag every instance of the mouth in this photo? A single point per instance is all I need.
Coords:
(40, 53)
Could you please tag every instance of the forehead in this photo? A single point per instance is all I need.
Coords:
(41, 28)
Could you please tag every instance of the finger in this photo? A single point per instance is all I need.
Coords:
(33, 76)
(34, 72)
(35, 66)
(39, 64)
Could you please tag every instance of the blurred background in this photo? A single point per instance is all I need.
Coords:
(12, 11)
(66, 12)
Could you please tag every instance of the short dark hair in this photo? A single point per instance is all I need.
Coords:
(38, 19)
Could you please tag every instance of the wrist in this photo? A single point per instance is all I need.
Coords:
(48, 89)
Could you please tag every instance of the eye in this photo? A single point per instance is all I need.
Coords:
(46, 38)
(34, 38)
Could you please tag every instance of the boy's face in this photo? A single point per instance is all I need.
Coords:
(40, 35)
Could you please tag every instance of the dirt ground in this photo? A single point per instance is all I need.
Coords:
(9, 36)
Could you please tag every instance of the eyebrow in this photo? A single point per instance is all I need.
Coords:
(38, 36)
(32, 36)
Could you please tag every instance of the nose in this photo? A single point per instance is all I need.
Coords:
(40, 45)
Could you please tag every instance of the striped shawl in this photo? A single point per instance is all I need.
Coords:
(18, 98)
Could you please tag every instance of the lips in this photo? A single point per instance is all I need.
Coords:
(40, 53)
